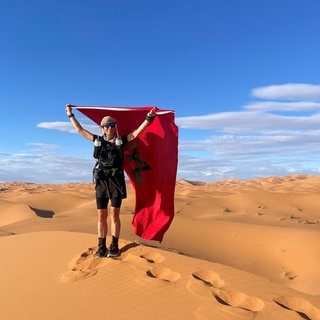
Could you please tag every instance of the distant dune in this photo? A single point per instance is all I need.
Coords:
(236, 250)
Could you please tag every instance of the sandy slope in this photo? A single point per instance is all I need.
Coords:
(235, 250)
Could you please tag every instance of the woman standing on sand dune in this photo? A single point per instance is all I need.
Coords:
(109, 175)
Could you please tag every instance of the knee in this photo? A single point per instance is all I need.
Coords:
(102, 214)
(114, 213)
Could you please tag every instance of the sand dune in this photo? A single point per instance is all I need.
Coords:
(235, 250)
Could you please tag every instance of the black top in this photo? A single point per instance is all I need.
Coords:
(110, 155)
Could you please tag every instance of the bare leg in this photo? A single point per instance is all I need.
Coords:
(102, 233)
(115, 231)
(115, 221)
(102, 223)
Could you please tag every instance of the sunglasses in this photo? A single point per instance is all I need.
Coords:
(110, 125)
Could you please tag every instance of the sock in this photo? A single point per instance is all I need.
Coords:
(115, 240)
(102, 242)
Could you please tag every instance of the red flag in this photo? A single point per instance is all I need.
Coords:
(150, 162)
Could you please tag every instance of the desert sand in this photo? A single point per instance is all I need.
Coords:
(237, 249)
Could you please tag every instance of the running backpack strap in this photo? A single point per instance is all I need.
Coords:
(97, 146)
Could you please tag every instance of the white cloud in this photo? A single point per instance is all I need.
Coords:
(66, 126)
(41, 167)
(57, 125)
(253, 146)
(249, 121)
(265, 116)
(289, 91)
(264, 138)
(298, 106)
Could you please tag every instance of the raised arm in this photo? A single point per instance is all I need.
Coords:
(76, 124)
(148, 120)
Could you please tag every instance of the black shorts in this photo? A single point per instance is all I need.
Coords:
(110, 190)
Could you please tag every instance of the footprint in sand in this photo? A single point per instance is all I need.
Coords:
(299, 305)
(83, 267)
(163, 273)
(153, 257)
(238, 299)
(209, 278)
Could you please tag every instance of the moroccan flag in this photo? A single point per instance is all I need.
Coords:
(150, 162)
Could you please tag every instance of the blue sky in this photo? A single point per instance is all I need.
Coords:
(242, 77)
